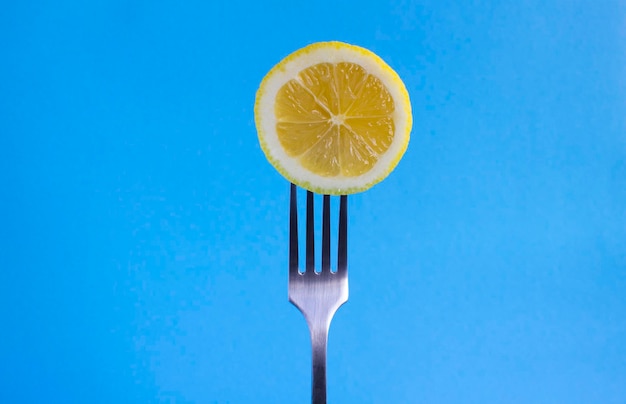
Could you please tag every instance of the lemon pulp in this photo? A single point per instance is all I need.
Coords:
(335, 118)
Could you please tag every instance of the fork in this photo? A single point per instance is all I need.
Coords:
(318, 295)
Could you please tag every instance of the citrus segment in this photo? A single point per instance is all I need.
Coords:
(323, 157)
(333, 118)
(297, 138)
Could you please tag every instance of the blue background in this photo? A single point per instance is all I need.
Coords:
(143, 242)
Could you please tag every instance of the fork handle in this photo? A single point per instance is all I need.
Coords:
(319, 342)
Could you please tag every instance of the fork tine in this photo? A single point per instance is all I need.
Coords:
(293, 231)
(342, 253)
(310, 233)
(326, 235)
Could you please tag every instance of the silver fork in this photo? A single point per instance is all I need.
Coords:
(318, 295)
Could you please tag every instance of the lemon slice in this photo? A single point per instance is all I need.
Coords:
(333, 118)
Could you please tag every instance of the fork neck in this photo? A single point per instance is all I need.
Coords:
(319, 343)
